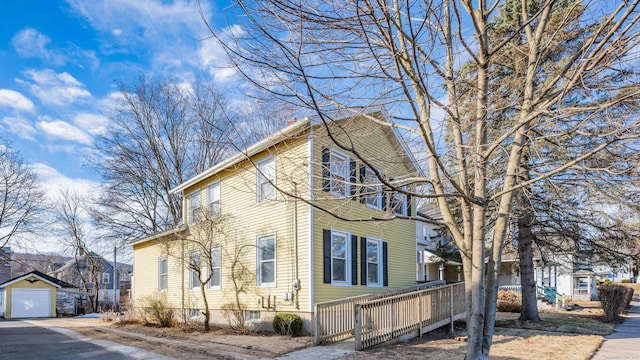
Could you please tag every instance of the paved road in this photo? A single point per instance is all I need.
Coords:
(22, 340)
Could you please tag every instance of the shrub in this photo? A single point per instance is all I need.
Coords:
(235, 317)
(287, 324)
(614, 299)
(157, 310)
(625, 281)
(509, 301)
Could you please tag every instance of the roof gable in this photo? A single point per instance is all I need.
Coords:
(41, 276)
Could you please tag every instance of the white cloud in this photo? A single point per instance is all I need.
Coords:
(54, 88)
(53, 182)
(95, 124)
(20, 126)
(58, 129)
(30, 43)
(15, 100)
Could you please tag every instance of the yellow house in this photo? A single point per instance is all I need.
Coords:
(30, 295)
(291, 221)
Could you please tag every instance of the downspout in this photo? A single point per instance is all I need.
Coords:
(296, 287)
(182, 258)
(311, 239)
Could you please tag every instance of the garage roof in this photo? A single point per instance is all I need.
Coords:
(42, 276)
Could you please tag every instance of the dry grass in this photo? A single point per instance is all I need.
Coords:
(575, 334)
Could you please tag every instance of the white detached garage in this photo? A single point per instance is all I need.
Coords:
(30, 295)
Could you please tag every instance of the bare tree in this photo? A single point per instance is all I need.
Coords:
(161, 134)
(21, 199)
(72, 219)
(345, 57)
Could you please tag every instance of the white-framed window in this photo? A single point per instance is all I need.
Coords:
(399, 203)
(213, 200)
(266, 262)
(266, 179)
(372, 192)
(252, 316)
(105, 278)
(163, 267)
(215, 267)
(340, 256)
(338, 173)
(194, 313)
(194, 263)
(374, 262)
(195, 211)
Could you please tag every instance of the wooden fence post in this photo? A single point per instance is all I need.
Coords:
(420, 313)
(357, 325)
(451, 304)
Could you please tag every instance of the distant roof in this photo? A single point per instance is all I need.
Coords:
(42, 276)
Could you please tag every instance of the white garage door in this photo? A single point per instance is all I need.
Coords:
(30, 303)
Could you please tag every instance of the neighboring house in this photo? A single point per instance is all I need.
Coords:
(293, 254)
(437, 257)
(91, 270)
(574, 274)
(5, 264)
(30, 295)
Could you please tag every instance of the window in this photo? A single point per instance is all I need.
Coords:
(338, 168)
(194, 313)
(399, 203)
(162, 274)
(372, 193)
(266, 180)
(373, 262)
(215, 267)
(339, 258)
(195, 211)
(252, 316)
(213, 200)
(194, 267)
(266, 264)
(105, 278)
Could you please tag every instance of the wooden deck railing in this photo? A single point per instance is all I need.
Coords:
(334, 320)
(407, 315)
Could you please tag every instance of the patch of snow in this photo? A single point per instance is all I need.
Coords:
(89, 316)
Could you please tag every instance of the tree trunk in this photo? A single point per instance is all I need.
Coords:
(206, 312)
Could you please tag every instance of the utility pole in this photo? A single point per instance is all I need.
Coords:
(115, 278)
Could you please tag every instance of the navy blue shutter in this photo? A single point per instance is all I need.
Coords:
(385, 265)
(384, 200)
(354, 260)
(326, 170)
(326, 250)
(362, 173)
(352, 178)
(363, 261)
(408, 205)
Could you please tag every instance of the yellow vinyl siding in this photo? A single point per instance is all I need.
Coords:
(375, 145)
(243, 220)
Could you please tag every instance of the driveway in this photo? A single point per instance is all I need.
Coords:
(22, 339)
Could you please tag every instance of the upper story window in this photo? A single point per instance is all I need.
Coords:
(195, 211)
(372, 190)
(105, 278)
(266, 179)
(213, 200)
(337, 173)
(266, 264)
(400, 203)
(163, 268)
(215, 267)
(194, 268)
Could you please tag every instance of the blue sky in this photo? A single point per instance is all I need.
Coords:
(60, 62)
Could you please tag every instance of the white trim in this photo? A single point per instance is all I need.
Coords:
(160, 259)
(378, 242)
(210, 267)
(347, 169)
(254, 149)
(25, 276)
(259, 282)
(158, 235)
(311, 260)
(347, 258)
(261, 174)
